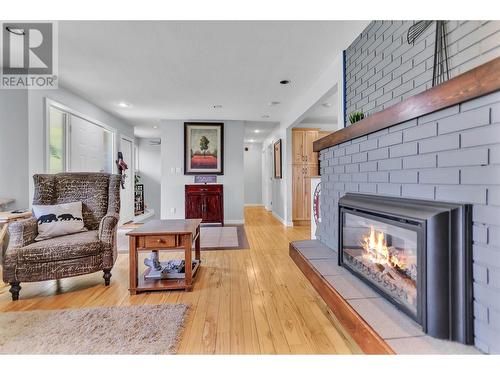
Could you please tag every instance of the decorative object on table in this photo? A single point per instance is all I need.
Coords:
(27, 260)
(97, 330)
(171, 269)
(139, 206)
(153, 261)
(58, 220)
(204, 202)
(356, 116)
(208, 179)
(122, 167)
(440, 68)
(277, 159)
(160, 235)
(203, 148)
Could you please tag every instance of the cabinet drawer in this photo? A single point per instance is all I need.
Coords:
(203, 188)
(159, 241)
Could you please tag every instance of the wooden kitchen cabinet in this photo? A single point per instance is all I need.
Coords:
(304, 165)
(205, 202)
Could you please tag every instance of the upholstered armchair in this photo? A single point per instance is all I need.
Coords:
(25, 259)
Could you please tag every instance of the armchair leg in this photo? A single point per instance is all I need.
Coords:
(15, 287)
(107, 276)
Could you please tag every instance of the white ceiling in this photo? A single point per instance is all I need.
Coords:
(325, 111)
(255, 131)
(180, 69)
(258, 131)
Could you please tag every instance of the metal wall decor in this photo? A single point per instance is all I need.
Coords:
(440, 69)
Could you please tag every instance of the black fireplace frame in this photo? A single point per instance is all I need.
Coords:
(444, 258)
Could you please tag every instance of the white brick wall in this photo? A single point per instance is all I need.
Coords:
(383, 69)
(450, 155)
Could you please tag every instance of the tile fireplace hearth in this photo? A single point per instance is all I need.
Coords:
(375, 324)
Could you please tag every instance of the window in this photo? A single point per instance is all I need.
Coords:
(57, 140)
(77, 144)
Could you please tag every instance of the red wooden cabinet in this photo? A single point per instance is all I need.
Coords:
(205, 202)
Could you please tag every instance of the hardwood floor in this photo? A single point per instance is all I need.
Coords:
(243, 302)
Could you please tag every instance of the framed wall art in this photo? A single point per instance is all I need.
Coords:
(277, 159)
(203, 148)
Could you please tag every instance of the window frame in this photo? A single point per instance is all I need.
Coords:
(68, 112)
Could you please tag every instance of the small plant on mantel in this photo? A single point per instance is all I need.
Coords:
(356, 116)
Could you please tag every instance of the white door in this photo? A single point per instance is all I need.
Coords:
(90, 147)
(127, 194)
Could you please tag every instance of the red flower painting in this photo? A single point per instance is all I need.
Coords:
(203, 147)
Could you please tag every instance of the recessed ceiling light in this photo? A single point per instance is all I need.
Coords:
(217, 105)
(272, 104)
(265, 116)
(155, 127)
(256, 131)
(327, 105)
(285, 81)
(250, 140)
(123, 105)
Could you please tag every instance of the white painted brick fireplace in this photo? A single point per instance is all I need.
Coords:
(451, 155)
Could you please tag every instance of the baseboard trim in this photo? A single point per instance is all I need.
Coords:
(254, 205)
(301, 223)
(280, 219)
(234, 222)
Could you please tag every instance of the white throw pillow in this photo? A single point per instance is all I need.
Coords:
(58, 220)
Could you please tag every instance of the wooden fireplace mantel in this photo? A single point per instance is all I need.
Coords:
(477, 82)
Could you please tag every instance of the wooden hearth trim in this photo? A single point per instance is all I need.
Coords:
(364, 335)
(477, 82)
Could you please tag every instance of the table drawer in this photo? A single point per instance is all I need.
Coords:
(159, 241)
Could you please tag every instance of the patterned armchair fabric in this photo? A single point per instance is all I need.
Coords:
(25, 260)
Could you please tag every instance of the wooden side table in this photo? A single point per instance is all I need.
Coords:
(158, 235)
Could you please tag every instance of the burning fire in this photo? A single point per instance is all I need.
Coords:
(376, 250)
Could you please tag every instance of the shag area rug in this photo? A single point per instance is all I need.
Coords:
(144, 329)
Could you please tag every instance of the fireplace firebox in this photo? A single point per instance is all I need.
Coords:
(416, 254)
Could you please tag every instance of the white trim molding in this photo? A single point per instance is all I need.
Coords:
(234, 222)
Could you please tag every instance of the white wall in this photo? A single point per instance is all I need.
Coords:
(279, 186)
(14, 147)
(266, 176)
(149, 169)
(172, 170)
(252, 165)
